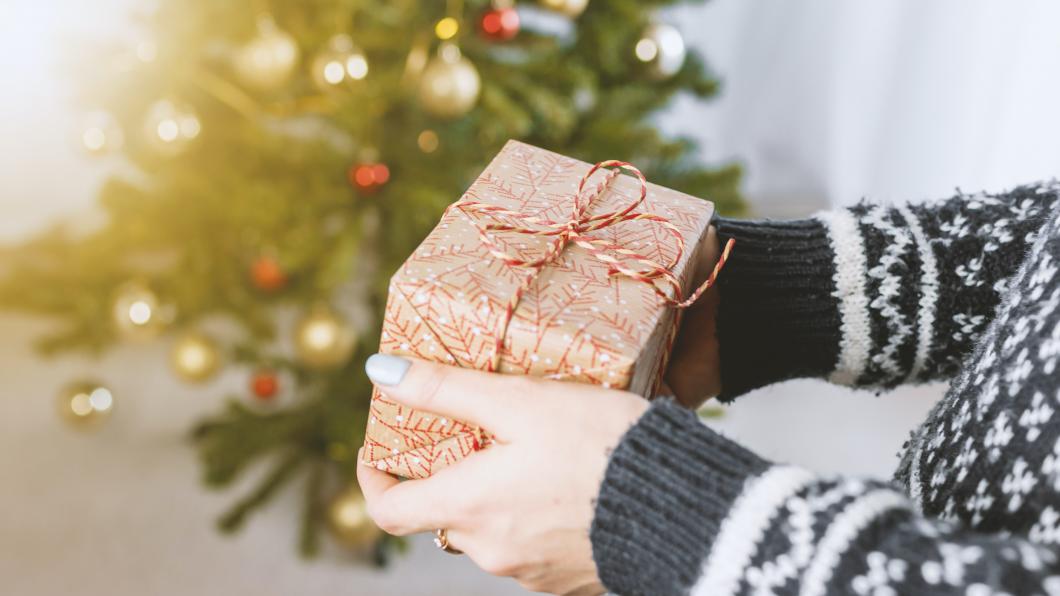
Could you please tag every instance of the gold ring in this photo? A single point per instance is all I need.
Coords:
(441, 540)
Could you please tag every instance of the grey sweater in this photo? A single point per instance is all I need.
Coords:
(966, 290)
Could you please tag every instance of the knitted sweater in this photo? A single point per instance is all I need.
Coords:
(965, 289)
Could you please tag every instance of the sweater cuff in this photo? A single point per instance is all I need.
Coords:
(777, 316)
(668, 486)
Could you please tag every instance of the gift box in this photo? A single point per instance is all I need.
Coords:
(547, 266)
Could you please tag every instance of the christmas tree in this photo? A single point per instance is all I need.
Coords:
(282, 159)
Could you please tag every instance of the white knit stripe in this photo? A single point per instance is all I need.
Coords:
(849, 250)
(929, 293)
(741, 531)
(885, 296)
(841, 533)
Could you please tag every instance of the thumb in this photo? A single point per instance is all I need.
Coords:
(476, 397)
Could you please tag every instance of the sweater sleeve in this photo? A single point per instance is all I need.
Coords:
(731, 523)
(872, 295)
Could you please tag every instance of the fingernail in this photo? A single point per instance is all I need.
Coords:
(387, 370)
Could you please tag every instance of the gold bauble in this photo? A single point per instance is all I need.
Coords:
(662, 48)
(322, 339)
(427, 141)
(170, 126)
(195, 357)
(341, 62)
(101, 134)
(85, 404)
(266, 61)
(450, 84)
(571, 8)
(137, 311)
(348, 519)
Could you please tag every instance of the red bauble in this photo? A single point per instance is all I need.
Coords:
(499, 24)
(267, 274)
(368, 177)
(264, 384)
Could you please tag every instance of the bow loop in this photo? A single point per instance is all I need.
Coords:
(620, 260)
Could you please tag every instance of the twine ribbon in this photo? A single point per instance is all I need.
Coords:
(576, 229)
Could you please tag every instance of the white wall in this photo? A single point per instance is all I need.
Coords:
(829, 101)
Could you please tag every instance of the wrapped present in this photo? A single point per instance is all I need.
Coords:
(547, 266)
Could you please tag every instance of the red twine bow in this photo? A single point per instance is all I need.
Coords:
(576, 230)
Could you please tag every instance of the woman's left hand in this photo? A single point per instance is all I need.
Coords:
(523, 506)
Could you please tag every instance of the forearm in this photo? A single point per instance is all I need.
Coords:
(872, 295)
(683, 510)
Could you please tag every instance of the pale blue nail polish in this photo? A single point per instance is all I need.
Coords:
(387, 370)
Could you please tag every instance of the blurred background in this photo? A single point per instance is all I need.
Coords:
(201, 205)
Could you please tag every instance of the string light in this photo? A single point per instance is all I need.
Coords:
(446, 28)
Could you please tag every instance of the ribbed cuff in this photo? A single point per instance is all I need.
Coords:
(778, 317)
(670, 483)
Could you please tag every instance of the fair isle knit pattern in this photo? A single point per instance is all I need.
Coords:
(879, 295)
(966, 289)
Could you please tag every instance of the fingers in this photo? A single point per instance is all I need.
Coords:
(451, 498)
(399, 508)
(490, 400)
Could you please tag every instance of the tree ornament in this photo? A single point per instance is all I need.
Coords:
(450, 84)
(267, 274)
(101, 134)
(322, 339)
(571, 8)
(340, 62)
(662, 48)
(500, 23)
(195, 357)
(427, 141)
(85, 404)
(349, 522)
(268, 59)
(264, 384)
(368, 177)
(170, 126)
(137, 311)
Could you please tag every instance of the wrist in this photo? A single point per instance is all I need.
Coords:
(777, 318)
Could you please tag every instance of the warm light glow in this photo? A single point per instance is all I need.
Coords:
(168, 130)
(94, 139)
(320, 335)
(140, 312)
(357, 66)
(146, 51)
(190, 127)
(349, 514)
(81, 404)
(194, 357)
(446, 28)
(449, 52)
(101, 399)
(334, 72)
(646, 50)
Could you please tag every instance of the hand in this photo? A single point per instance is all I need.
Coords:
(694, 371)
(521, 507)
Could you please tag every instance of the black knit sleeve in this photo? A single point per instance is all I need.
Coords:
(682, 510)
(872, 295)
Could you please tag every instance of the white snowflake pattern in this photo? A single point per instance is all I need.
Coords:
(1047, 529)
(1017, 483)
(883, 571)
(1034, 417)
